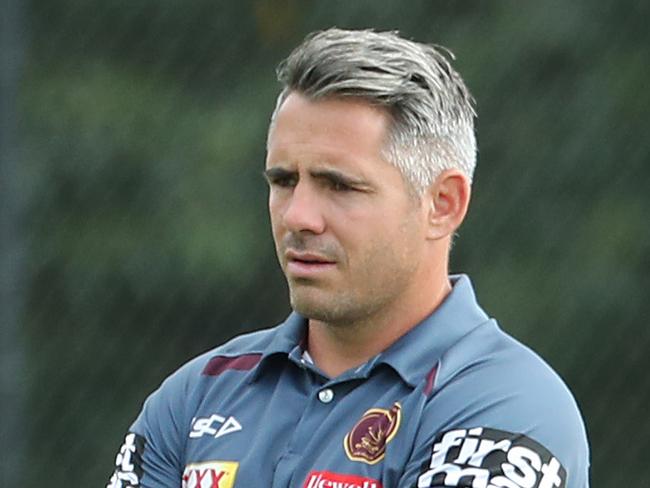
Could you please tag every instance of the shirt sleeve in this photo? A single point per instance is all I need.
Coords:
(504, 434)
(151, 455)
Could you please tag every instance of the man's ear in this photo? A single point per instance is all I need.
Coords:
(447, 199)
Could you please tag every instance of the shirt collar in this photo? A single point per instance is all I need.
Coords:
(420, 349)
(288, 335)
(288, 341)
(415, 353)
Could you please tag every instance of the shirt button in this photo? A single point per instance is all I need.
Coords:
(326, 395)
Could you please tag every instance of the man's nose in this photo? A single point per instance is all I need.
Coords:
(303, 212)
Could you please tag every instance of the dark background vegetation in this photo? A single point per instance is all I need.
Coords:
(135, 233)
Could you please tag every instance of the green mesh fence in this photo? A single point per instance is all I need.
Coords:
(139, 210)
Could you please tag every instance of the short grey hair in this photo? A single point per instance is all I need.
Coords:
(432, 110)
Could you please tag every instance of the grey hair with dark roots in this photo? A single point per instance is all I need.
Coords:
(431, 108)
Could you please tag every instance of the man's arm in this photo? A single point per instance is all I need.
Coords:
(150, 456)
(488, 430)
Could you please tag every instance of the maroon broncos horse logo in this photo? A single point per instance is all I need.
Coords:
(367, 440)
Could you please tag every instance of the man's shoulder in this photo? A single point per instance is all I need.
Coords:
(491, 380)
(497, 359)
(251, 345)
(182, 390)
(491, 364)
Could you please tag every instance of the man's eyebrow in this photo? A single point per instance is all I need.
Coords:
(276, 172)
(336, 176)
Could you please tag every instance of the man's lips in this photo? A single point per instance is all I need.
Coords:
(307, 257)
(305, 264)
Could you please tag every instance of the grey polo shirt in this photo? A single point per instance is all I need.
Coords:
(454, 402)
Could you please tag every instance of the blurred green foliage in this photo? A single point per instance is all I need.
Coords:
(144, 127)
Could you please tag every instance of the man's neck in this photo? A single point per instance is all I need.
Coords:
(336, 348)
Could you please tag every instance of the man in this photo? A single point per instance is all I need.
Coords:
(388, 373)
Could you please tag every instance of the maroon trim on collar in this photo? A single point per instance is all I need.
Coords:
(219, 364)
(431, 379)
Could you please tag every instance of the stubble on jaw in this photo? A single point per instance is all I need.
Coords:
(368, 295)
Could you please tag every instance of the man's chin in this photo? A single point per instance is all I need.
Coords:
(312, 306)
(322, 306)
(310, 309)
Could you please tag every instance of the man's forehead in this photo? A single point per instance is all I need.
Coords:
(336, 114)
(326, 132)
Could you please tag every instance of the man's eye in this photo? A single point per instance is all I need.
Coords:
(284, 181)
(340, 186)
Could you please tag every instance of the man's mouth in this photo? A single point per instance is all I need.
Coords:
(305, 264)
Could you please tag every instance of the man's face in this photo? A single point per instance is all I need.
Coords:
(348, 234)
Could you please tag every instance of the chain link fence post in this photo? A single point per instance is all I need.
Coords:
(12, 243)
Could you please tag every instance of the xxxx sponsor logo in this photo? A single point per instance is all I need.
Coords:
(211, 474)
(327, 479)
